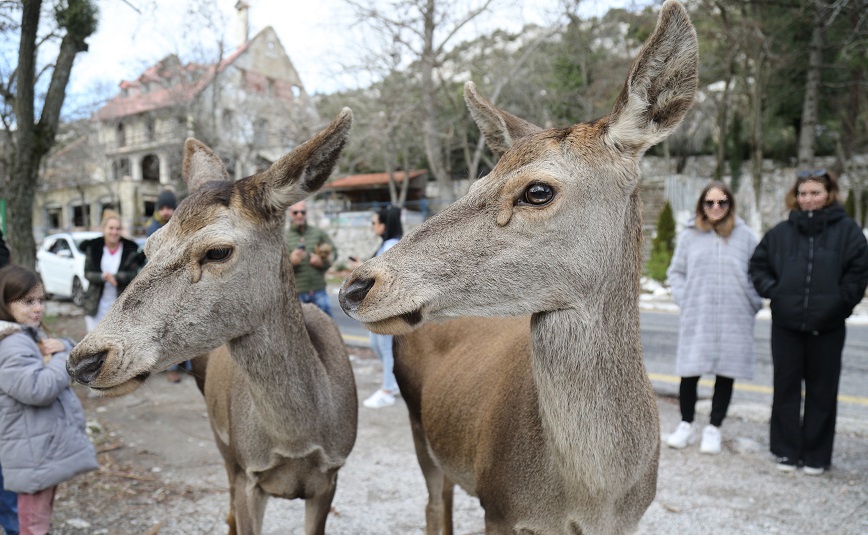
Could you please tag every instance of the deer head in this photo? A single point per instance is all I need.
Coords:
(216, 272)
(547, 229)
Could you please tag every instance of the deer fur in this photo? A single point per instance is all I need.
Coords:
(279, 386)
(550, 420)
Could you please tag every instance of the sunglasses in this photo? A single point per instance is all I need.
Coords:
(722, 203)
(296, 212)
(812, 174)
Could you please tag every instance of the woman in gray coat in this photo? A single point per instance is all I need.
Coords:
(42, 429)
(709, 281)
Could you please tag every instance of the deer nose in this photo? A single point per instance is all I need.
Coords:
(87, 368)
(352, 296)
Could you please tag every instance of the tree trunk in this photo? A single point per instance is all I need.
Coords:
(22, 179)
(32, 141)
(810, 105)
(757, 96)
(722, 123)
(429, 126)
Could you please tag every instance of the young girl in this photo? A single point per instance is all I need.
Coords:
(42, 429)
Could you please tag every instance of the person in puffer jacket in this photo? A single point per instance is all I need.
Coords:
(814, 268)
(43, 441)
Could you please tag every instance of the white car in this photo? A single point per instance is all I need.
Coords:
(60, 263)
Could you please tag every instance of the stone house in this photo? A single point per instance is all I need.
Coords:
(250, 107)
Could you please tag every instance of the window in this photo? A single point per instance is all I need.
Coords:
(53, 217)
(81, 215)
(228, 119)
(151, 168)
(150, 129)
(60, 245)
(120, 135)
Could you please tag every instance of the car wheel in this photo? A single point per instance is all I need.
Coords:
(77, 292)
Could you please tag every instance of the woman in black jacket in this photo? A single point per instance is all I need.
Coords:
(110, 263)
(814, 268)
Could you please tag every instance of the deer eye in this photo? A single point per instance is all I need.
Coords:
(218, 255)
(537, 194)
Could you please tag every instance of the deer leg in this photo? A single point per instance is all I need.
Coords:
(249, 505)
(434, 480)
(317, 508)
(230, 518)
(448, 494)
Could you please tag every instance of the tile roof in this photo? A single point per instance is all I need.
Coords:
(168, 83)
(371, 179)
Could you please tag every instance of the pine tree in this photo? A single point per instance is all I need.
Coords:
(663, 245)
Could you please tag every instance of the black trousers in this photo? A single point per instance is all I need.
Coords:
(719, 400)
(814, 358)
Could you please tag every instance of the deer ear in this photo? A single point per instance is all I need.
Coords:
(201, 165)
(500, 128)
(306, 168)
(661, 85)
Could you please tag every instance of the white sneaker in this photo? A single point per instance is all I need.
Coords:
(684, 435)
(710, 440)
(813, 470)
(379, 399)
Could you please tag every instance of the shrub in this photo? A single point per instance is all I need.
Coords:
(663, 245)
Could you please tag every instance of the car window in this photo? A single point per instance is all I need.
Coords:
(78, 243)
(59, 245)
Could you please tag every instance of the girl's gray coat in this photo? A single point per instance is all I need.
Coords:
(709, 281)
(42, 430)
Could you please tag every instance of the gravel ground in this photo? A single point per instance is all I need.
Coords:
(161, 473)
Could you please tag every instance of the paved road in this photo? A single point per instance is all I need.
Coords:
(660, 338)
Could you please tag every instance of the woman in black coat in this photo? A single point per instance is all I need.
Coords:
(110, 264)
(814, 268)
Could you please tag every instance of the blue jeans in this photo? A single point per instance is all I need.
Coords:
(318, 297)
(8, 509)
(382, 346)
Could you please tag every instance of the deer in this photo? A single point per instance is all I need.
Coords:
(279, 385)
(549, 417)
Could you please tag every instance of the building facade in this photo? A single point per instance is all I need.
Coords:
(249, 107)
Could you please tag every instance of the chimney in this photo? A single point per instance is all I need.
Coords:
(242, 22)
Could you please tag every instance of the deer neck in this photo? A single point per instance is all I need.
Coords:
(282, 369)
(589, 372)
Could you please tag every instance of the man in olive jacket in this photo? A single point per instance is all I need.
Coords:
(311, 252)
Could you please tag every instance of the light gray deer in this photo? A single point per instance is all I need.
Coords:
(551, 421)
(280, 393)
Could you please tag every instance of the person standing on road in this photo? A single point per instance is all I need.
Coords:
(386, 224)
(110, 263)
(311, 254)
(814, 268)
(165, 209)
(163, 212)
(42, 428)
(709, 281)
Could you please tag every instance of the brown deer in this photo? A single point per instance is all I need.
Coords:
(280, 393)
(551, 421)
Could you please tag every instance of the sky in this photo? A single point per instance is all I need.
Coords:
(320, 37)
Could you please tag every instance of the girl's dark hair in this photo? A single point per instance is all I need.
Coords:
(724, 226)
(391, 217)
(15, 283)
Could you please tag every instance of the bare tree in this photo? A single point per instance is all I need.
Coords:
(425, 29)
(32, 138)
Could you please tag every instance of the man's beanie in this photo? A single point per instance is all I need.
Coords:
(166, 199)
